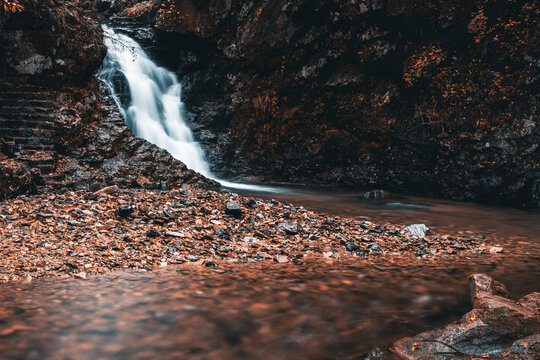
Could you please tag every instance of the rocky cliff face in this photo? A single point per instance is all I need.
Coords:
(57, 130)
(414, 96)
(56, 42)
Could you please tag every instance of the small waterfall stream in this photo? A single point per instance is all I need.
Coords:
(154, 110)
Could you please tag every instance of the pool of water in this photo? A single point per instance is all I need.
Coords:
(257, 311)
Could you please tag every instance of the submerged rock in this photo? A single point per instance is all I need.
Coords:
(376, 195)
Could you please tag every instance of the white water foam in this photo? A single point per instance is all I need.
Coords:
(155, 111)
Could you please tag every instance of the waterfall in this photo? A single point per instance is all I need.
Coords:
(154, 110)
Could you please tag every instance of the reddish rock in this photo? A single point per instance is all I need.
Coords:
(496, 327)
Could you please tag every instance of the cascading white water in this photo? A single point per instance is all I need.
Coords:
(155, 110)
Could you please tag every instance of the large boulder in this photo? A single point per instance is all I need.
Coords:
(496, 327)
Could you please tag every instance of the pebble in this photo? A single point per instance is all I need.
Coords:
(152, 233)
(250, 239)
(351, 246)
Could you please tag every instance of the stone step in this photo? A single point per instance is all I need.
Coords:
(28, 140)
(24, 132)
(56, 179)
(27, 147)
(24, 123)
(35, 158)
(22, 115)
(19, 86)
(39, 95)
(48, 104)
(18, 109)
(45, 168)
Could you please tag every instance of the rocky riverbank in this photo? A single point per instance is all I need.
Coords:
(80, 233)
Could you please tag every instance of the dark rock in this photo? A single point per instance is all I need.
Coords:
(152, 233)
(376, 195)
(297, 262)
(232, 208)
(365, 226)
(222, 233)
(351, 246)
(290, 227)
(251, 203)
(210, 264)
(125, 210)
(43, 46)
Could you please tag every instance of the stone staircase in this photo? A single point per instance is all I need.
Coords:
(26, 124)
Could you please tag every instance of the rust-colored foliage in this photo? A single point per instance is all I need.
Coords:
(140, 8)
(417, 64)
(11, 6)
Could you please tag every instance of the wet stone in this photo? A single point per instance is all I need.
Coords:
(152, 233)
(290, 227)
(232, 208)
(350, 246)
(125, 210)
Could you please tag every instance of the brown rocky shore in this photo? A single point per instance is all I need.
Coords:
(80, 233)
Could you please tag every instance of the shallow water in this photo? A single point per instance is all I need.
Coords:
(256, 311)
